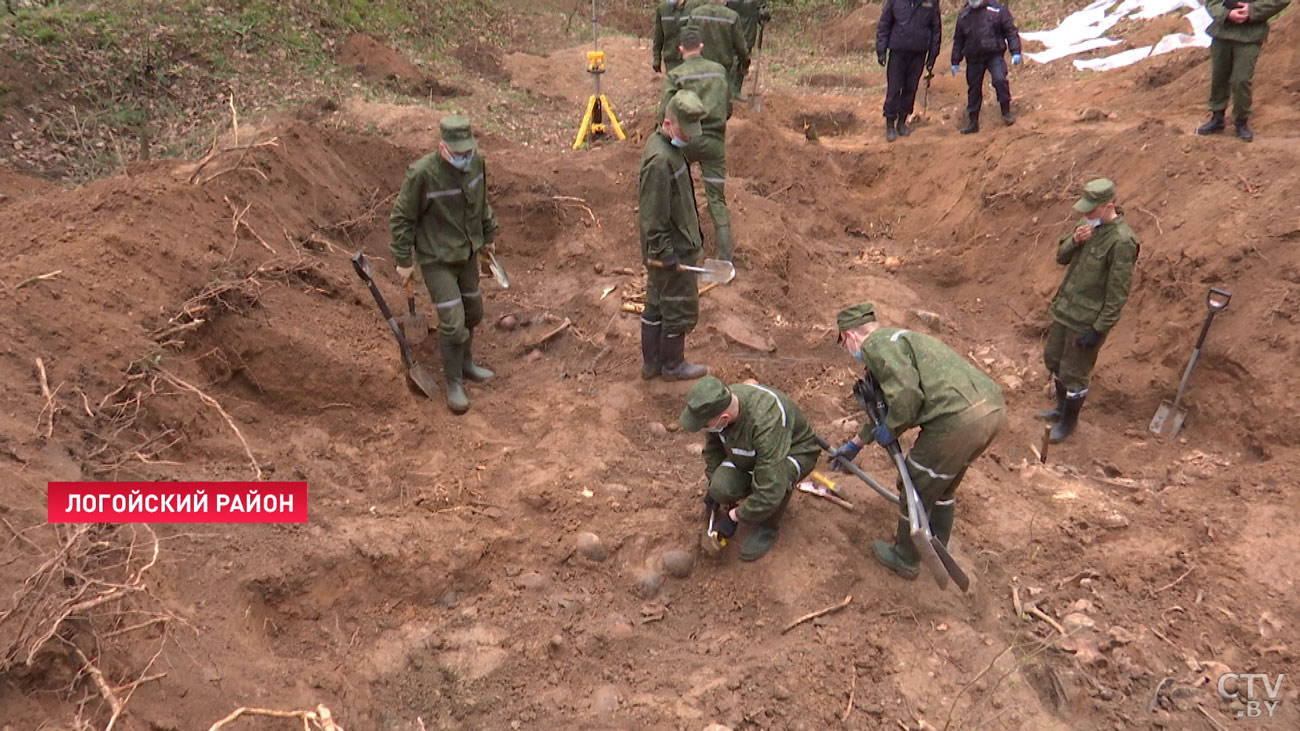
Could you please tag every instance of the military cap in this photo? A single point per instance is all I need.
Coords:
(687, 109)
(1096, 193)
(456, 133)
(706, 399)
(855, 316)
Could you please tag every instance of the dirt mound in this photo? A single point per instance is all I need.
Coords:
(482, 59)
(379, 63)
(853, 33)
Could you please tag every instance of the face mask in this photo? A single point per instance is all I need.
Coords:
(975, 3)
(1094, 222)
(460, 162)
(679, 142)
(716, 429)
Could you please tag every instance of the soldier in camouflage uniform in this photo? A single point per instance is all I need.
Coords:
(1239, 30)
(440, 221)
(722, 32)
(926, 384)
(670, 235)
(1100, 252)
(709, 82)
(759, 445)
(753, 13)
(671, 16)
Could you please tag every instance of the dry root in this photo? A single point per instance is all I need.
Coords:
(318, 720)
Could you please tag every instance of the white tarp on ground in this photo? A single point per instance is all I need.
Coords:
(1086, 30)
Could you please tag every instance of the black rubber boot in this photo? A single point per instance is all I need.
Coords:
(900, 556)
(941, 517)
(1054, 415)
(972, 125)
(1007, 117)
(453, 366)
(469, 368)
(761, 538)
(1216, 124)
(651, 335)
(1243, 130)
(902, 128)
(672, 351)
(890, 133)
(1069, 419)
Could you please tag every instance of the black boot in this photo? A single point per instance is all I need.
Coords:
(1069, 419)
(900, 557)
(651, 335)
(941, 517)
(1054, 415)
(761, 538)
(1215, 124)
(469, 368)
(453, 366)
(672, 352)
(902, 128)
(890, 134)
(972, 125)
(1243, 131)
(1007, 117)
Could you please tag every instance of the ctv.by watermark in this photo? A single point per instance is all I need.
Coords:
(1262, 695)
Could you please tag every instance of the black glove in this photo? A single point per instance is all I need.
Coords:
(655, 66)
(709, 502)
(724, 525)
(1089, 339)
(671, 262)
(881, 58)
(764, 15)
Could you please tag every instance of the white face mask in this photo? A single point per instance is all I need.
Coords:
(1094, 222)
(679, 142)
(717, 429)
(460, 162)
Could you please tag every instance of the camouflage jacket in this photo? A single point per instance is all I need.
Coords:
(1254, 30)
(924, 381)
(748, 10)
(1097, 281)
(670, 17)
(442, 213)
(721, 30)
(668, 220)
(769, 430)
(709, 82)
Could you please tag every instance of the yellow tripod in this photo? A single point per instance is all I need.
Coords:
(598, 107)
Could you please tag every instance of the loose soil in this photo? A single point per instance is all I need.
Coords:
(440, 583)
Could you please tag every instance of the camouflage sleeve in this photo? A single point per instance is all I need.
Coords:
(658, 48)
(1261, 11)
(738, 44)
(1117, 283)
(489, 216)
(714, 455)
(655, 214)
(1216, 9)
(890, 361)
(1066, 248)
(770, 474)
(406, 214)
(670, 88)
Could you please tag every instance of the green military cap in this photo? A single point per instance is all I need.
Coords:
(687, 109)
(706, 399)
(855, 316)
(456, 133)
(1096, 193)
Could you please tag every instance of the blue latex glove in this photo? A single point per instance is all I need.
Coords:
(955, 68)
(1015, 59)
(1089, 339)
(847, 453)
(882, 435)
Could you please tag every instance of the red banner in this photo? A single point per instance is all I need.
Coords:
(177, 502)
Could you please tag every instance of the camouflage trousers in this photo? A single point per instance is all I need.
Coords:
(938, 461)
(456, 297)
(1067, 361)
(730, 484)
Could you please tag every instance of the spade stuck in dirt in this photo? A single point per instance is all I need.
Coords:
(1169, 418)
(415, 325)
(714, 270)
(414, 371)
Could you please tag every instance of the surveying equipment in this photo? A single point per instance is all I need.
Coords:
(598, 108)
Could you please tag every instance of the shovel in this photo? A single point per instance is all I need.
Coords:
(755, 100)
(414, 371)
(415, 325)
(498, 272)
(1169, 419)
(714, 270)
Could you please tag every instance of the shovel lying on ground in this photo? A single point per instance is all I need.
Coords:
(714, 270)
(414, 371)
(1168, 420)
(934, 554)
(415, 325)
(819, 485)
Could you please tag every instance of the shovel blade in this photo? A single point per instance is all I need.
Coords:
(422, 380)
(921, 541)
(717, 270)
(756, 102)
(1168, 421)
